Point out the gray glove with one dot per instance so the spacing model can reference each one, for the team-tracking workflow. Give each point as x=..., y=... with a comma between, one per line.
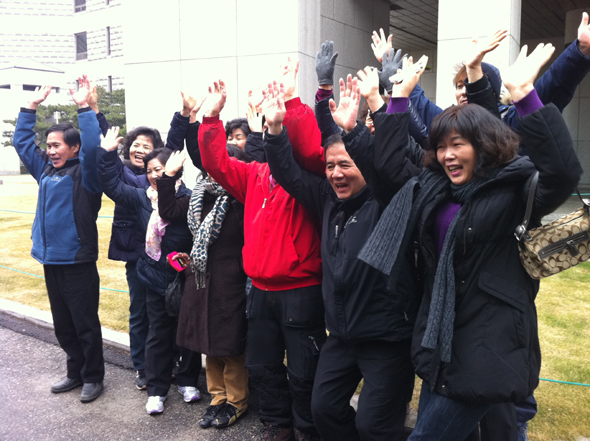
x=325, y=62
x=391, y=64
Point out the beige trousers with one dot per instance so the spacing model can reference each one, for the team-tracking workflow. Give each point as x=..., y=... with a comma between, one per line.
x=227, y=381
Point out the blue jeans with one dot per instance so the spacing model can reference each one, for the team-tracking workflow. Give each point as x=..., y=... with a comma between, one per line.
x=138, y=320
x=444, y=419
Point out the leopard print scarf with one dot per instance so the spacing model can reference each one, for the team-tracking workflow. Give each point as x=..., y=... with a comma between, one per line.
x=205, y=231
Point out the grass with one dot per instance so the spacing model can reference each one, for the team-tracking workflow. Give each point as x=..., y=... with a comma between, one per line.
x=562, y=304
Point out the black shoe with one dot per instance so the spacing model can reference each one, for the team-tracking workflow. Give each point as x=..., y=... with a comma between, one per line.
x=140, y=380
x=66, y=384
x=90, y=392
x=209, y=416
x=227, y=416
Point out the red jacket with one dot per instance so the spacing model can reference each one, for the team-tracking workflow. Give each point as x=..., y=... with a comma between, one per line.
x=281, y=238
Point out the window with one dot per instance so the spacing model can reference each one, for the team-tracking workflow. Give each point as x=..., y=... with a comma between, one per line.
x=81, y=47
x=30, y=87
x=110, y=84
x=108, y=40
x=107, y=2
x=79, y=5
x=5, y=86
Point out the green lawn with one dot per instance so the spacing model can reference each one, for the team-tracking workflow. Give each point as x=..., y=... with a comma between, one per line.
x=563, y=305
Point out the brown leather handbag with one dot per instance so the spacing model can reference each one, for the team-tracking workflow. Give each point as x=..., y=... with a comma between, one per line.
x=557, y=246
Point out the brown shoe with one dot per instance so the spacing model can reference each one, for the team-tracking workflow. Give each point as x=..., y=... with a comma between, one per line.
x=275, y=433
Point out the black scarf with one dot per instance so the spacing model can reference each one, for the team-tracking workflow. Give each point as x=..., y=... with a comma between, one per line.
x=394, y=232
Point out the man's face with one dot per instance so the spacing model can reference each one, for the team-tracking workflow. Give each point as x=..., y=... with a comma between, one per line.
x=460, y=92
x=238, y=138
x=343, y=174
x=59, y=152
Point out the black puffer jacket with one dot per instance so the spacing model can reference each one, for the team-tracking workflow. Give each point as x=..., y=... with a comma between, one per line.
x=360, y=302
x=495, y=350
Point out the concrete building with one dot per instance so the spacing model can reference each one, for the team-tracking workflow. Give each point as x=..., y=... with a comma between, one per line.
x=155, y=49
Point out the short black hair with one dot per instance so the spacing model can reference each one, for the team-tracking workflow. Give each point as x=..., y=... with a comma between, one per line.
x=238, y=123
x=493, y=141
x=70, y=134
x=162, y=155
x=331, y=141
x=151, y=133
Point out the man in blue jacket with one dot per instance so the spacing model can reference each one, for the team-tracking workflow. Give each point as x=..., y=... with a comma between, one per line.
x=65, y=237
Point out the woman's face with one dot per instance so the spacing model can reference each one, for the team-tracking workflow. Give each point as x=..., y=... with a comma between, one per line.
x=457, y=157
x=155, y=170
x=238, y=138
x=139, y=149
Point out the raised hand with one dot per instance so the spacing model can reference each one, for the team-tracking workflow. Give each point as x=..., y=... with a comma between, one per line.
x=346, y=112
x=408, y=76
x=392, y=62
x=175, y=163
x=368, y=83
x=380, y=45
x=255, y=101
x=40, y=95
x=190, y=103
x=215, y=101
x=584, y=35
x=273, y=107
x=478, y=50
x=93, y=99
x=254, y=119
x=112, y=139
x=325, y=63
x=519, y=77
x=289, y=75
x=81, y=96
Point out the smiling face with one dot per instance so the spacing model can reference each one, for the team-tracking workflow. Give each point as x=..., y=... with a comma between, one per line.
x=59, y=152
x=154, y=170
x=343, y=174
x=457, y=157
x=139, y=149
x=238, y=138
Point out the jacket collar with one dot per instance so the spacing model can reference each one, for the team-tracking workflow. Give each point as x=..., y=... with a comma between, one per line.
x=352, y=204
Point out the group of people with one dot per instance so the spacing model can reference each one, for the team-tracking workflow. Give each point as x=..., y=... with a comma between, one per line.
x=317, y=250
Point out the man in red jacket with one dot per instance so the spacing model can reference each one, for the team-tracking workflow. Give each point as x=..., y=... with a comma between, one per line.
x=282, y=256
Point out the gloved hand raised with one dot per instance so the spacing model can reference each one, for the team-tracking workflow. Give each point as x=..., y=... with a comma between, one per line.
x=391, y=63
x=325, y=62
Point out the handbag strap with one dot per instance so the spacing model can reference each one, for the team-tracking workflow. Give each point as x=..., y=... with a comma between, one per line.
x=521, y=231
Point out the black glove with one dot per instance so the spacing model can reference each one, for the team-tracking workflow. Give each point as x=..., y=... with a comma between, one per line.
x=325, y=62
x=391, y=64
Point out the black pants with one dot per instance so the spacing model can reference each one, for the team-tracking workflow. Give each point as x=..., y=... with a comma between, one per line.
x=291, y=320
x=159, y=350
x=388, y=384
x=73, y=295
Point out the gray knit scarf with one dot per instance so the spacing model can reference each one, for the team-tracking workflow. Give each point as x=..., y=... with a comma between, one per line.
x=207, y=231
x=394, y=233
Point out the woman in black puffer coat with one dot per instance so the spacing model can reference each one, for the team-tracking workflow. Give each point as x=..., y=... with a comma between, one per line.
x=476, y=339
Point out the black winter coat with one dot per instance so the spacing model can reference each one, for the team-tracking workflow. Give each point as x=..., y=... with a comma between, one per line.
x=155, y=275
x=495, y=350
x=360, y=302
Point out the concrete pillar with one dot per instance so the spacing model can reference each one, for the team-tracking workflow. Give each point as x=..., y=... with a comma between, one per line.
x=458, y=24
x=577, y=113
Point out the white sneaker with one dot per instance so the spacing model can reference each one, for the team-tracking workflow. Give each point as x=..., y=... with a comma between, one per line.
x=155, y=405
x=191, y=393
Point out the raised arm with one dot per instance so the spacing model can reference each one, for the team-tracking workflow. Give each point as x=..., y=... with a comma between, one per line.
x=34, y=158
x=325, y=63
x=304, y=186
x=170, y=207
x=180, y=121
x=230, y=173
x=110, y=175
x=543, y=131
x=90, y=136
x=478, y=88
